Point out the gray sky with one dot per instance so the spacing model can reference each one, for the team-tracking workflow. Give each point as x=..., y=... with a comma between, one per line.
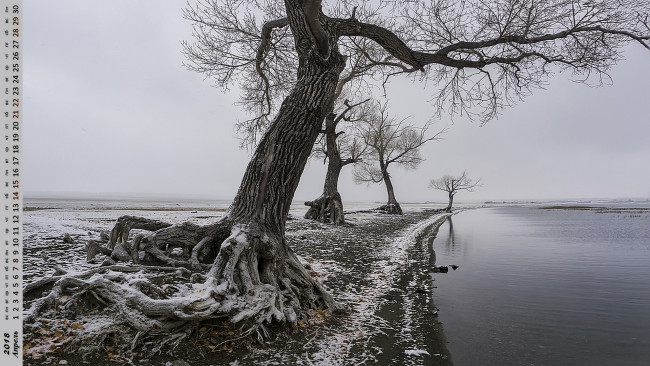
x=109, y=108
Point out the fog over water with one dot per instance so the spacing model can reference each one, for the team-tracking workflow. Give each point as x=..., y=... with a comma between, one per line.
x=110, y=109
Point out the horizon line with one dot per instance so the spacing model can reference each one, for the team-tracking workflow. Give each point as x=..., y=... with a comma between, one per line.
x=108, y=196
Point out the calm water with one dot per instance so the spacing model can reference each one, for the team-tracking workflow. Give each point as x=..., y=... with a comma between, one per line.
x=545, y=287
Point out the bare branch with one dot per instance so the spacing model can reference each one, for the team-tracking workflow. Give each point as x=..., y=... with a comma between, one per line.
x=480, y=56
x=262, y=50
x=502, y=48
x=391, y=140
x=452, y=185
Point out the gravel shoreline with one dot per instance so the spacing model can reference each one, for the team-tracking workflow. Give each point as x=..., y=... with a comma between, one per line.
x=378, y=266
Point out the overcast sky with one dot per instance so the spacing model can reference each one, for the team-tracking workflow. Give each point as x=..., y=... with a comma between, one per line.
x=110, y=109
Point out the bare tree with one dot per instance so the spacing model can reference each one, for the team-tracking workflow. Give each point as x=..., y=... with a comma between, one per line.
x=339, y=147
x=453, y=185
x=392, y=141
x=287, y=58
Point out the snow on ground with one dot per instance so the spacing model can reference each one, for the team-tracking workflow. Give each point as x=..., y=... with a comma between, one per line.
x=368, y=259
x=415, y=352
x=360, y=263
x=43, y=233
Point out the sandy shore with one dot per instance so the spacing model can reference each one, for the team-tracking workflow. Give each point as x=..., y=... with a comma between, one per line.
x=378, y=265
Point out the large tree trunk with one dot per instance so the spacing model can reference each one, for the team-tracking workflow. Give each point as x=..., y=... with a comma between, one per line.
x=392, y=206
x=328, y=207
x=255, y=278
x=255, y=261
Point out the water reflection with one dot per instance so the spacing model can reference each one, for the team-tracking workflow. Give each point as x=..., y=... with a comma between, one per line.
x=451, y=238
x=545, y=287
x=449, y=246
x=432, y=258
x=432, y=261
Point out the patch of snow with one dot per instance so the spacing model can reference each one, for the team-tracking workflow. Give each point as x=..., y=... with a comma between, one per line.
x=416, y=352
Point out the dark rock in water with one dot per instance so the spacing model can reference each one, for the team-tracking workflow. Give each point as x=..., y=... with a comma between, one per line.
x=440, y=269
x=454, y=267
x=104, y=236
x=67, y=239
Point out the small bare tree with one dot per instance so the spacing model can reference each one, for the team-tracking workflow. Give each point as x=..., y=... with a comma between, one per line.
x=391, y=141
x=339, y=147
x=453, y=185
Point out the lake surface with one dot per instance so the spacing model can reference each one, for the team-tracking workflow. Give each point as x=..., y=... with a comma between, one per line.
x=545, y=286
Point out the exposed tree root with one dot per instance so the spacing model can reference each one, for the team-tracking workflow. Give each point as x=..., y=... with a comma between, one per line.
x=186, y=245
x=93, y=248
x=391, y=209
x=167, y=289
x=326, y=209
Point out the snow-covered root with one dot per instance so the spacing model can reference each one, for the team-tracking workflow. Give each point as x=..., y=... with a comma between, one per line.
x=196, y=243
x=255, y=281
x=83, y=310
x=391, y=209
x=124, y=225
x=68, y=288
x=326, y=209
x=265, y=271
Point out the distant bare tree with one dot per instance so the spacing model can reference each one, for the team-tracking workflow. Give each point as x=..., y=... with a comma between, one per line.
x=453, y=185
x=392, y=141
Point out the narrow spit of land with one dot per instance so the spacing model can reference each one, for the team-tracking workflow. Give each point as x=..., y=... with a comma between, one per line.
x=378, y=265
